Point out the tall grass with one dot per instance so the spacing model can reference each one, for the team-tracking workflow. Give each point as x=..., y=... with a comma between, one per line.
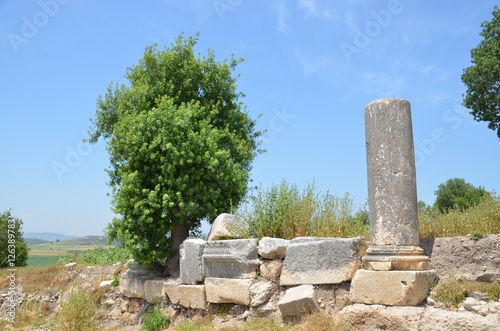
x=481, y=219
x=282, y=211
x=76, y=313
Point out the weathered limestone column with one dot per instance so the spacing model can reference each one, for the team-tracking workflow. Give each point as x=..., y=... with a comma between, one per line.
x=392, y=189
x=396, y=269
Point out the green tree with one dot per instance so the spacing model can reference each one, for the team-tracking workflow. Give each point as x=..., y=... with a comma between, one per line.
x=457, y=193
x=482, y=79
x=180, y=144
x=13, y=248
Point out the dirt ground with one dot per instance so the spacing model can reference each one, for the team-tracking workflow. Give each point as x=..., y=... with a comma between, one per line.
x=474, y=259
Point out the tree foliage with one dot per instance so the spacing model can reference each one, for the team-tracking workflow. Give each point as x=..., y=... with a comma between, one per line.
x=180, y=144
x=482, y=79
x=13, y=248
x=457, y=193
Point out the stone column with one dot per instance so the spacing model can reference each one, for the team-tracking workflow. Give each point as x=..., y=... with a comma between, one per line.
x=392, y=190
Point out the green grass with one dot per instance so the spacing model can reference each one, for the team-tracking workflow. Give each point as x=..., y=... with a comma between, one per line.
x=154, y=320
x=453, y=292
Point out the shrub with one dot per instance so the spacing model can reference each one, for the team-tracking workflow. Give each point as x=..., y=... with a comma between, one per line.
x=283, y=212
x=106, y=255
x=155, y=320
x=76, y=312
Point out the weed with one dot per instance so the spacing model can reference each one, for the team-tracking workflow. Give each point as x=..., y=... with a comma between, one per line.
x=76, y=313
x=155, y=320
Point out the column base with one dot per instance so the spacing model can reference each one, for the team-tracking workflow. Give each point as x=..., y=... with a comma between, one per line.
x=392, y=257
x=391, y=288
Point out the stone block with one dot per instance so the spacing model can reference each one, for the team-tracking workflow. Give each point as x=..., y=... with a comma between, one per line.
x=132, y=287
x=261, y=292
x=191, y=261
x=273, y=248
x=226, y=290
x=391, y=288
x=137, y=271
x=189, y=296
x=170, y=288
x=153, y=290
x=228, y=226
x=235, y=258
x=321, y=261
x=298, y=300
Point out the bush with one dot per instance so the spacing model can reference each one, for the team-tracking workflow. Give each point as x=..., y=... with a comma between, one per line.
x=155, y=320
x=76, y=313
x=107, y=256
x=283, y=212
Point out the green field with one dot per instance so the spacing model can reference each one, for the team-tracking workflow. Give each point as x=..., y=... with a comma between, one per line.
x=48, y=253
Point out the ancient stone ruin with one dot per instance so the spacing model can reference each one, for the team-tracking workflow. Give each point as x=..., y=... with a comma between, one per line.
x=396, y=269
x=385, y=278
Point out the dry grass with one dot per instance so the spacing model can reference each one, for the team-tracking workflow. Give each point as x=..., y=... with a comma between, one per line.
x=44, y=280
x=482, y=219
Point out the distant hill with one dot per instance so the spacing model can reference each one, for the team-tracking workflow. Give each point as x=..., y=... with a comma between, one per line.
x=48, y=236
x=88, y=241
x=35, y=241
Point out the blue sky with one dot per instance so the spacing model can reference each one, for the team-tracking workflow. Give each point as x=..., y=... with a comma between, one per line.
x=311, y=66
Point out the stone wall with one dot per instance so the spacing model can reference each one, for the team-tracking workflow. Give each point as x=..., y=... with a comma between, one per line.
x=269, y=276
x=290, y=277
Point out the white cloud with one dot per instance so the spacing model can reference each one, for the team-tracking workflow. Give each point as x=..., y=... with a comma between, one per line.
x=314, y=64
x=282, y=17
x=313, y=8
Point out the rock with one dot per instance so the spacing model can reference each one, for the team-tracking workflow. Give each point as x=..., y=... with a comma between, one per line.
x=377, y=317
x=271, y=270
x=439, y=319
x=226, y=290
x=469, y=303
x=132, y=288
x=70, y=266
x=481, y=309
x=105, y=283
x=320, y=261
x=261, y=291
x=298, y=300
x=191, y=261
x=393, y=288
x=273, y=248
x=228, y=226
x=153, y=290
x=235, y=258
x=481, y=296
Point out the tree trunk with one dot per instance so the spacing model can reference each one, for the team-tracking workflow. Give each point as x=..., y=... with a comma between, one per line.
x=178, y=235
